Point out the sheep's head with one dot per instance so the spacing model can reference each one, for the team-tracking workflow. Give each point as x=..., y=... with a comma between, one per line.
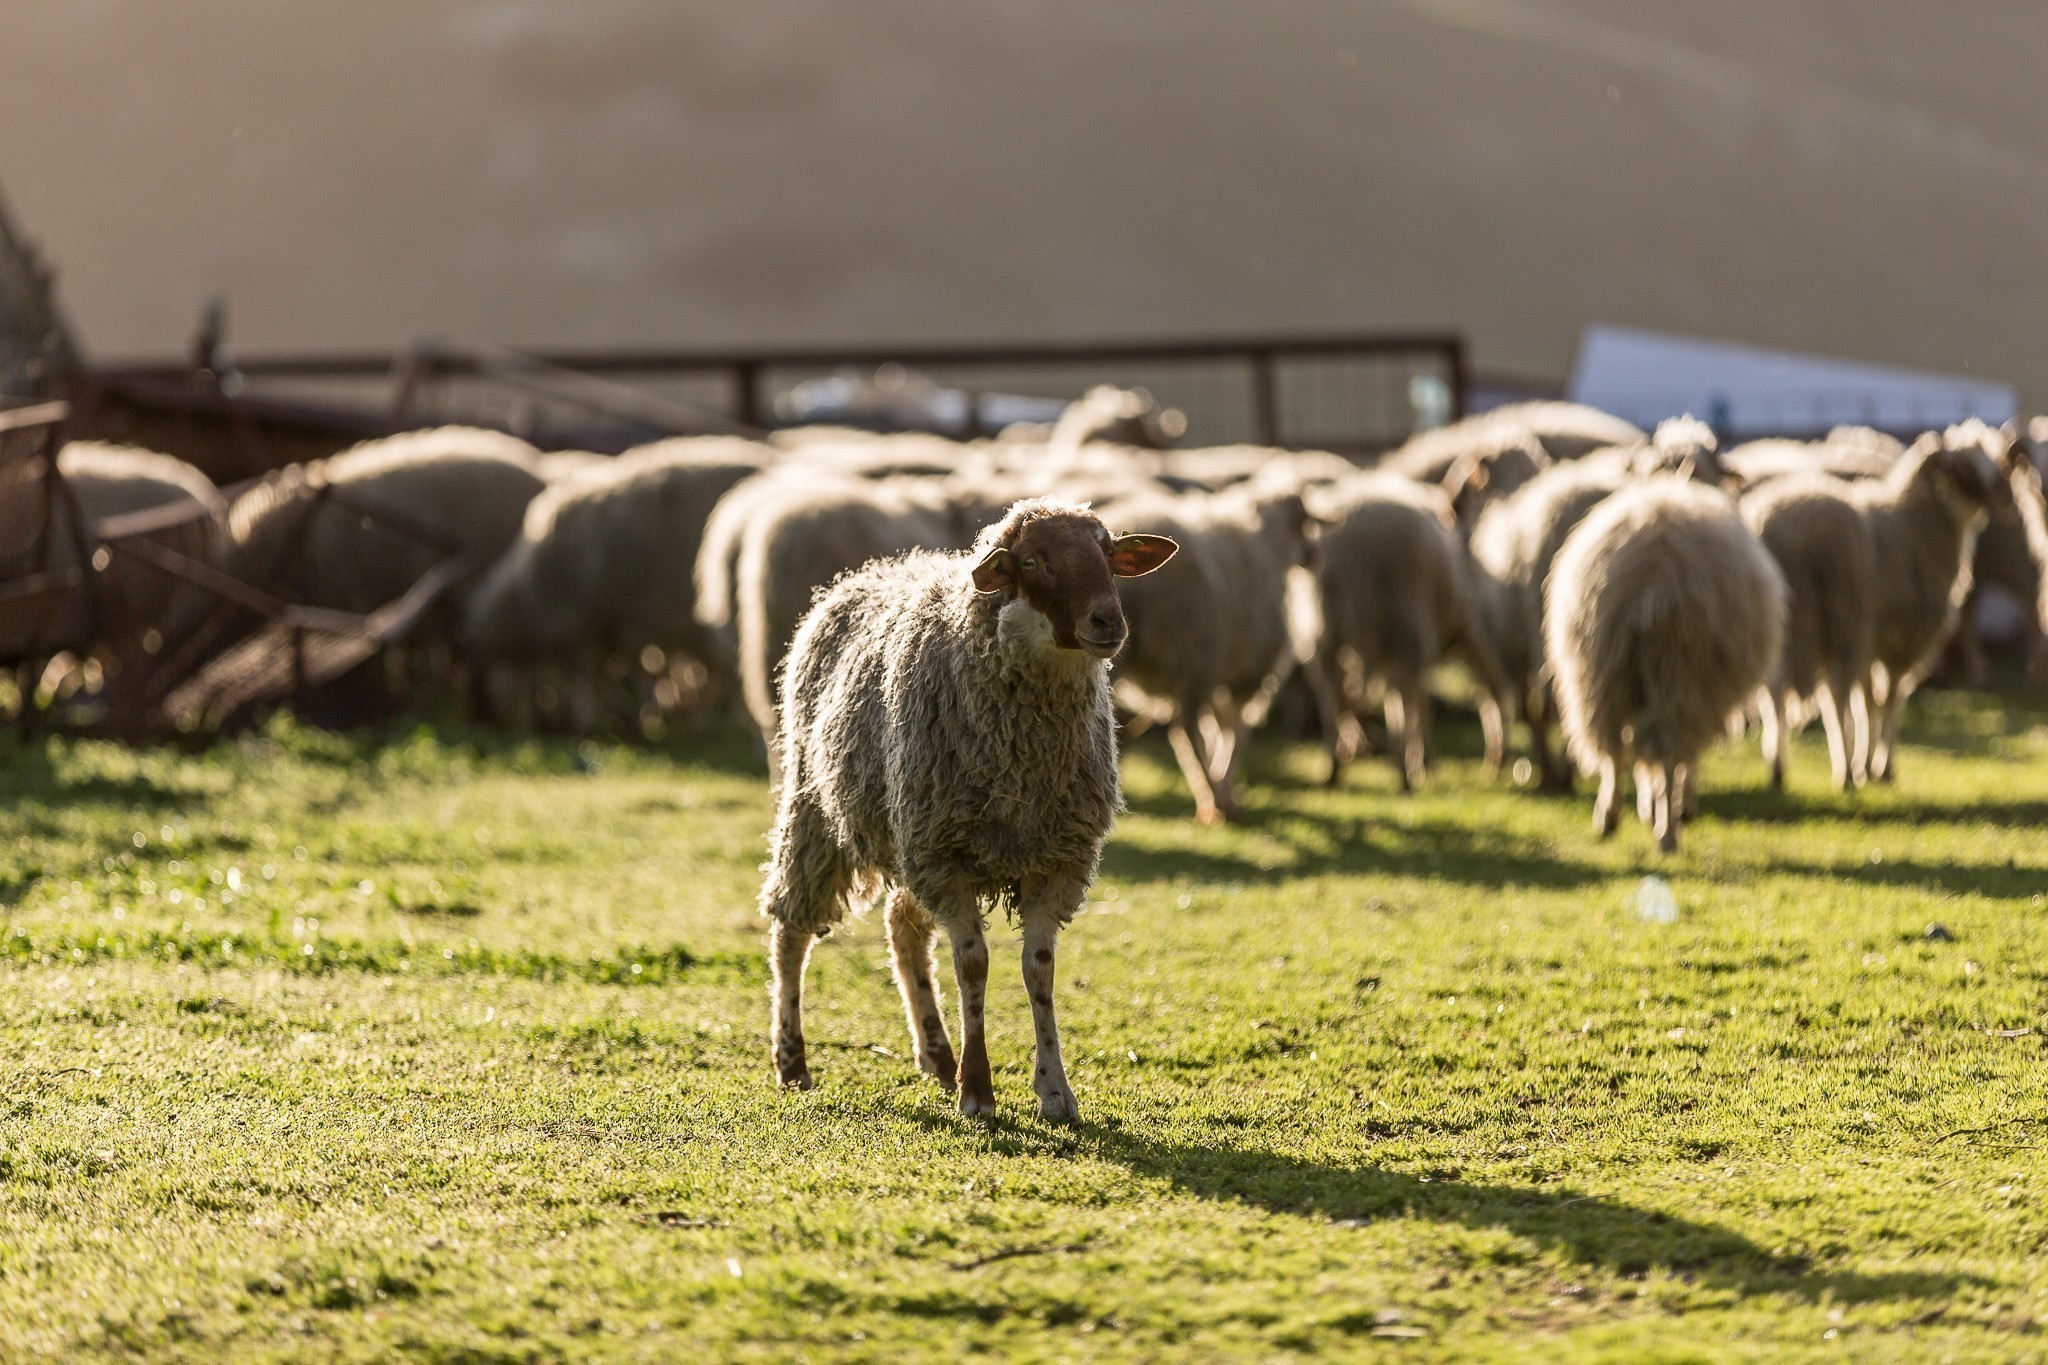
x=1960, y=468
x=1061, y=562
x=1492, y=471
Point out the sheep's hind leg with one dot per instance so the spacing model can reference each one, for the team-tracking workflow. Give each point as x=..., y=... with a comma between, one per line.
x=910, y=948
x=1604, y=813
x=1043, y=913
x=1770, y=710
x=1667, y=798
x=970, y=971
x=1836, y=722
x=789, y=951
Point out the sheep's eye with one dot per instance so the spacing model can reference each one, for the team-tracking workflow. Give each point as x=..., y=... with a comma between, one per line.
x=1030, y=563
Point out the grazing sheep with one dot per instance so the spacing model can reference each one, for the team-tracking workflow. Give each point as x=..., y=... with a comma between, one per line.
x=1566, y=431
x=604, y=562
x=1106, y=413
x=1846, y=453
x=808, y=535
x=2023, y=473
x=1397, y=595
x=1213, y=639
x=309, y=534
x=130, y=598
x=1923, y=517
x=949, y=734
x=1814, y=529
x=1489, y=469
x=1513, y=543
x=558, y=465
x=1664, y=615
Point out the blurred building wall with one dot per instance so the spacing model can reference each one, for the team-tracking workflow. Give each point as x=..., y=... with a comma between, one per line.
x=1866, y=178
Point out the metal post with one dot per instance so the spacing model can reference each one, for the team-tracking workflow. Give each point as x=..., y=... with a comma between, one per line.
x=1265, y=399
x=746, y=383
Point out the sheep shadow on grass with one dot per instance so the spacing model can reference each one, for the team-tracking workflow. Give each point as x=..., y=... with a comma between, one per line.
x=1591, y=1230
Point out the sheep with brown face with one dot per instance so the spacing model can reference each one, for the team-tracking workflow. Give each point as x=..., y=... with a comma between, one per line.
x=947, y=733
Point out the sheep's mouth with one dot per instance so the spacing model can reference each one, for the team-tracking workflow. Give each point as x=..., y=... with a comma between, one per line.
x=1101, y=647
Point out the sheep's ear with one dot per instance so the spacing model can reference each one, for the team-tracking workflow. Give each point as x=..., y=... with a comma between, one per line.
x=995, y=572
x=1136, y=555
x=2015, y=453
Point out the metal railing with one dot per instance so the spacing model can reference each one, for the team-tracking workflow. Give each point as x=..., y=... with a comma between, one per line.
x=1354, y=393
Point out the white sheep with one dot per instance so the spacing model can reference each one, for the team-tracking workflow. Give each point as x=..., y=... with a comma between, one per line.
x=1397, y=595
x=604, y=563
x=1923, y=516
x=1814, y=529
x=1566, y=431
x=949, y=735
x=1664, y=616
x=1214, y=636
x=357, y=530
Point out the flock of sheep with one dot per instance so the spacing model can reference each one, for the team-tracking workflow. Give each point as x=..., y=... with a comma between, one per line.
x=934, y=637
x=1634, y=594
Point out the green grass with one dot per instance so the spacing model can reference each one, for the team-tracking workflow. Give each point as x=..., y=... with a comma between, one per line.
x=321, y=1047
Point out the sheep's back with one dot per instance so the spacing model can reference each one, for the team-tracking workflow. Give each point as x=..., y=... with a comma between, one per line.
x=1663, y=615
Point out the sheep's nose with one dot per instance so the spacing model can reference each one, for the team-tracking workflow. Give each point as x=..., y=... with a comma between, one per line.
x=1106, y=625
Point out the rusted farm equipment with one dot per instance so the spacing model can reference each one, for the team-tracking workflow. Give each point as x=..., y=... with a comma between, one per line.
x=231, y=645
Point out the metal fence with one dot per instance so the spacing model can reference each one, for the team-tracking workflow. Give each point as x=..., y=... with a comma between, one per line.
x=1355, y=394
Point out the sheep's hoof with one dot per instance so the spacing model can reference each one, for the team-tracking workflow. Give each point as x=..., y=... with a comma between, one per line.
x=1668, y=840
x=796, y=1077
x=1208, y=815
x=1058, y=1107
x=975, y=1106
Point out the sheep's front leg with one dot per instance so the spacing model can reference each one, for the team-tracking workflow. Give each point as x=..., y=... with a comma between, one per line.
x=789, y=951
x=1884, y=761
x=1043, y=915
x=970, y=970
x=910, y=947
x=1194, y=766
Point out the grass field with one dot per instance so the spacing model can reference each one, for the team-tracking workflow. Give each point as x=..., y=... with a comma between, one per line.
x=449, y=1046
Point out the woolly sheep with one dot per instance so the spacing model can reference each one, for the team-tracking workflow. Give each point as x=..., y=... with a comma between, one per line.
x=307, y=534
x=1212, y=639
x=1513, y=543
x=2023, y=472
x=1923, y=517
x=1396, y=595
x=1664, y=615
x=603, y=564
x=558, y=465
x=806, y=536
x=130, y=598
x=949, y=736
x=1566, y=431
x=1129, y=417
x=1818, y=536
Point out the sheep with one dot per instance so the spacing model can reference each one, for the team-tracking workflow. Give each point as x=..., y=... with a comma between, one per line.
x=1924, y=516
x=131, y=603
x=559, y=465
x=1513, y=542
x=1128, y=417
x=1817, y=534
x=2023, y=473
x=1491, y=467
x=1663, y=615
x=1846, y=453
x=949, y=736
x=1396, y=594
x=1211, y=641
x=1681, y=445
x=604, y=563
x=806, y=535
x=308, y=533
x=1565, y=431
